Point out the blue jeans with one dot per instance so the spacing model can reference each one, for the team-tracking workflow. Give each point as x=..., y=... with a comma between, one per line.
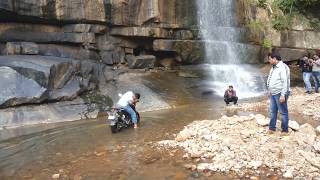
x=275, y=105
x=316, y=78
x=132, y=113
x=306, y=79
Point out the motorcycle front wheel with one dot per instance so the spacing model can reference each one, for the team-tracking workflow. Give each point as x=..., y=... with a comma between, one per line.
x=115, y=128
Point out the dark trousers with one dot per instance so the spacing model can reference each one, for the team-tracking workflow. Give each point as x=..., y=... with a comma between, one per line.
x=231, y=99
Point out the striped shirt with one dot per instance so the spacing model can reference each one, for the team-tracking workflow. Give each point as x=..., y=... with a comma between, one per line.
x=279, y=79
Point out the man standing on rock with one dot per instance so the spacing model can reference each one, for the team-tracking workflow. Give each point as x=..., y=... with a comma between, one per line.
x=278, y=86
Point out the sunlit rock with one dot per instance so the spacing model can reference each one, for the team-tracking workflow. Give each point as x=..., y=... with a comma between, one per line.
x=232, y=144
x=262, y=120
x=294, y=125
x=318, y=129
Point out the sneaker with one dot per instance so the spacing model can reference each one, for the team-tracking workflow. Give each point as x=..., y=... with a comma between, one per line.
x=271, y=131
x=135, y=126
x=284, y=133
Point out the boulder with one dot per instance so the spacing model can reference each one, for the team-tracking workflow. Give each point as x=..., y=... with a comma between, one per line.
x=262, y=120
x=305, y=135
x=62, y=78
x=45, y=70
x=140, y=62
x=69, y=91
x=318, y=129
x=294, y=125
x=113, y=57
x=300, y=39
x=45, y=113
x=17, y=89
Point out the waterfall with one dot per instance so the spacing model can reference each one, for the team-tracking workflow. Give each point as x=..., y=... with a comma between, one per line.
x=225, y=50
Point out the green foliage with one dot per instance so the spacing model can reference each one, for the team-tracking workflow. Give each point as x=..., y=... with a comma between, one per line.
x=267, y=44
x=315, y=24
x=255, y=26
x=281, y=23
x=96, y=101
x=287, y=6
x=256, y=29
x=262, y=3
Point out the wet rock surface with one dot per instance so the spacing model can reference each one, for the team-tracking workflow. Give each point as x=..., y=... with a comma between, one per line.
x=239, y=144
x=35, y=79
x=17, y=89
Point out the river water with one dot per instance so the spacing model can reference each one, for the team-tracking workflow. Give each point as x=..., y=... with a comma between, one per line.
x=88, y=150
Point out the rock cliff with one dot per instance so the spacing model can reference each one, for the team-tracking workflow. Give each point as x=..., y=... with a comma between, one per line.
x=57, y=50
x=297, y=39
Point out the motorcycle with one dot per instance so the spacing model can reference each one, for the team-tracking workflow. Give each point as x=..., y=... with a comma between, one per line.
x=120, y=119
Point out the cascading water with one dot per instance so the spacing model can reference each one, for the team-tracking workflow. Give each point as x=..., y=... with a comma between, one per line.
x=225, y=50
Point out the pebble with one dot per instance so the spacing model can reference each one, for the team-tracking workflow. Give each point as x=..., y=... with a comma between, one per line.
x=55, y=176
x=221, y=146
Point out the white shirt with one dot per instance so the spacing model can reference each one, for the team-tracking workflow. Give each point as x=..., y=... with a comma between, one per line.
x=279, y=79
x=126, y=99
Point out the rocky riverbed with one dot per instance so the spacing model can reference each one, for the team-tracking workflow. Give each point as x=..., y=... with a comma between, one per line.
x=241, y=143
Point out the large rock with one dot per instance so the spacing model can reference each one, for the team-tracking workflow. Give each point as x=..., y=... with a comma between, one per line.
x=291, y=54
x=16, y=89
x=300, y=39
x=69, y=91
x=140, y=62
x=115, y=56
x=262, y=120
x=45, y=70
x=46, y=113
x=190, y=51
x=64, y=79
x=63, y=10
x=294, y=125
x=318, y=129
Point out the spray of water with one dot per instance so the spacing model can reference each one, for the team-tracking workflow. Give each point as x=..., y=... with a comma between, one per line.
x=224, y=50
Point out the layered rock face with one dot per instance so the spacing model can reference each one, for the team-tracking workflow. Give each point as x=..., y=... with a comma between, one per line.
x=57, y=50
x=292, y=43
x=106, y=30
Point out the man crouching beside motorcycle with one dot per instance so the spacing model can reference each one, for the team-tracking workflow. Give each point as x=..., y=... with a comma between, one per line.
x=126, y=101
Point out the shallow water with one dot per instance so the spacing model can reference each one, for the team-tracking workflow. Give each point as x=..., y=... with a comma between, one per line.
x=88, y=150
